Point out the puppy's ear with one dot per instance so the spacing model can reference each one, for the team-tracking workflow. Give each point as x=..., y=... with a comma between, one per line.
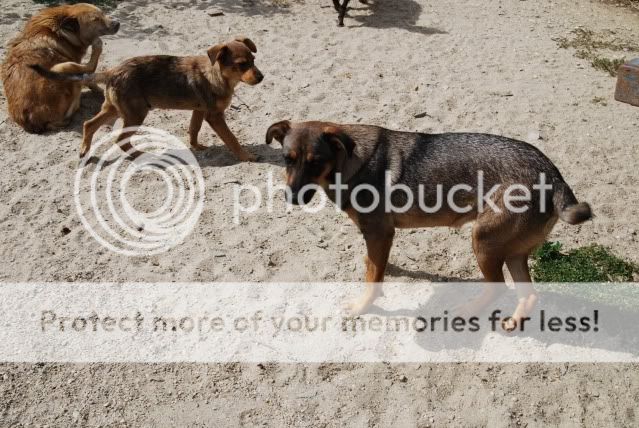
x=278, y=131
x=339, y=139
x=249, y=44
x=217, y=53
x=70, y=24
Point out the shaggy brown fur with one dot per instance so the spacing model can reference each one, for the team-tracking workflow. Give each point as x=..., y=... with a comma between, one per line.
x=56, y=38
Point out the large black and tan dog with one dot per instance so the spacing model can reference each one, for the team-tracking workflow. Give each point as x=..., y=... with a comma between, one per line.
x=57, y=38
x=461, y=166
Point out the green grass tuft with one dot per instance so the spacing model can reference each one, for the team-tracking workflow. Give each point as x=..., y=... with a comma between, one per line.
x=587, y=45
x=609, y=65
x=593, y=263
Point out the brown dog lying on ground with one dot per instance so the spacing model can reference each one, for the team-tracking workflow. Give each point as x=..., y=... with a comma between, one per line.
x=204, y=84
x=56, y=38
x=464, y=166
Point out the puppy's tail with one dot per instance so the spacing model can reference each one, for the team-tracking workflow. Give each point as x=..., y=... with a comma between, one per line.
x=84, y=78
x=567, y=207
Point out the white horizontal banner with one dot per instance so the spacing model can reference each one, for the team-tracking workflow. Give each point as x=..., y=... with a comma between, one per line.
x=305, y=322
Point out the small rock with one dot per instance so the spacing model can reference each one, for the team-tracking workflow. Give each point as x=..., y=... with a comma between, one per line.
x=533, y=136
x=501, y=94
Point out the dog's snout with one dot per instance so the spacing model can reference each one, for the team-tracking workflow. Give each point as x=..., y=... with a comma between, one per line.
x=115, y=26
x=294, y=198
x=302, y=196
x=259, y=76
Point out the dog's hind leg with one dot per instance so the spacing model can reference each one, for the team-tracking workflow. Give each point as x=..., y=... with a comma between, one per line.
x=526, y=293
x=336, y=5
x=194, y=129
x=491, y=265
x=132, y=122
x=492, y=269
x=74, y=67
x=90, y=127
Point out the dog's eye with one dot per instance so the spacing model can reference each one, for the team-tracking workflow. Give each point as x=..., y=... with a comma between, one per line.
x=289, y=160
x=243, y=66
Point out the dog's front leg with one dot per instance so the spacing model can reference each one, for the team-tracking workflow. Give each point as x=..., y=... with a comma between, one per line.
x=217, y=122
x=378, y=245
x=194, y=129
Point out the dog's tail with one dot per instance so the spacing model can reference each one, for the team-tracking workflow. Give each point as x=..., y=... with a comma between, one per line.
x=85, y=78
x=567, y=207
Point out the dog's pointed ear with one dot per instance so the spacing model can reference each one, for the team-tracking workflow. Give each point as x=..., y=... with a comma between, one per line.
x=278, y=131
x=217, y=53
x=248, y=42
x=339, y=139
x=70, y=24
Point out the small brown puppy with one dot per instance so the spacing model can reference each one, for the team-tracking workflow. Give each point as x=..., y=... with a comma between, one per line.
x=453, y=178
x=204, y=84
x=56, y=38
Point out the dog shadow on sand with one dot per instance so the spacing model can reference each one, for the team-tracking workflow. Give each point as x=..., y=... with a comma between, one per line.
x=614, y=328
x=217, y=154
x=385, y=14
x=214, y=156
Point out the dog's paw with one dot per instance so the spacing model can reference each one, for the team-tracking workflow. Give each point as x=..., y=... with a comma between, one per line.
x=509, y=324
x=354, y=309
x=248, y=157
x=96, y=46
x=97, y=43
x=198, y=146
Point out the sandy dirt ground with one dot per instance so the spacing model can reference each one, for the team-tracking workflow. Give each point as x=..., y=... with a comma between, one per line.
x=459, y=66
